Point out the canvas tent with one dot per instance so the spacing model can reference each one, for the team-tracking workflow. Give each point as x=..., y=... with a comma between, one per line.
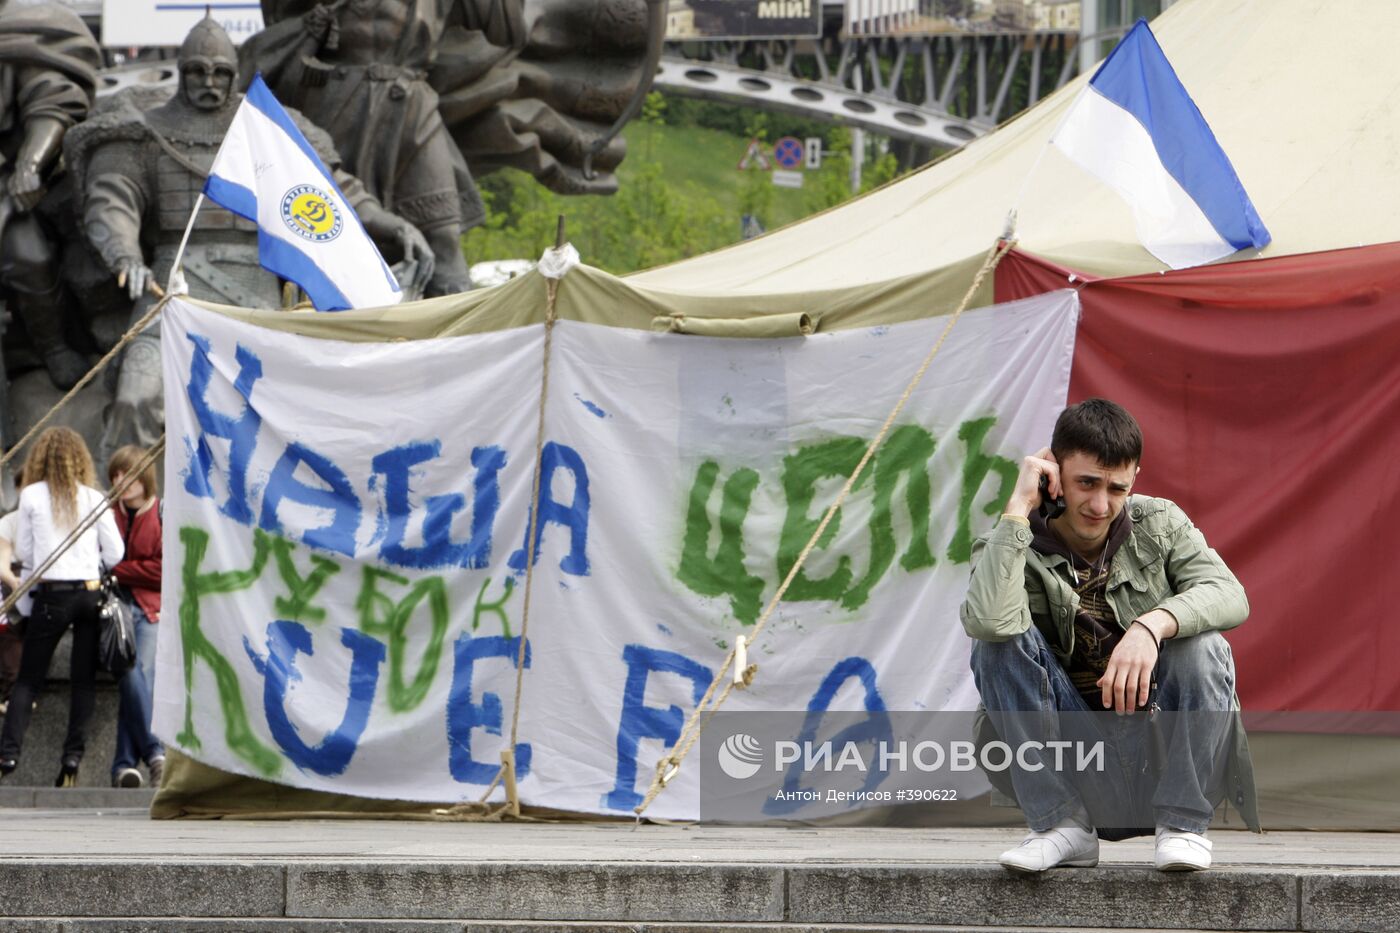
x=1258, y=378
x=1301, y=96
x=1305, y=106
x=1264, y=383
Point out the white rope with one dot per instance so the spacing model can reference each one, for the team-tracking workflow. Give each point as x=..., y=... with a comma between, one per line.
x=669, y=764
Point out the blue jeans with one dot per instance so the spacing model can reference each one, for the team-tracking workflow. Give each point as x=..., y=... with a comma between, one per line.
x=1178, y=783
x=135, y=741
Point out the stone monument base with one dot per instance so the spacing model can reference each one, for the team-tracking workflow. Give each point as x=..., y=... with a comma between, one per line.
x=43, y=744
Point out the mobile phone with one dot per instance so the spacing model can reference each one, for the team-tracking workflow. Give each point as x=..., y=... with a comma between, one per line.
x=1050, y=508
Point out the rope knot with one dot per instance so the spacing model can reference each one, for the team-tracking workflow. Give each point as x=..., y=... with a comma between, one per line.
x=666, y=770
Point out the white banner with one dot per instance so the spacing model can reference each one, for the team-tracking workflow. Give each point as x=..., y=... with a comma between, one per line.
x=345, y=523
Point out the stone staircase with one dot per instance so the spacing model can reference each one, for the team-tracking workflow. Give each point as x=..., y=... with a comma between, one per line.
x=75, y=871
x=48, y=724
x=71, y=798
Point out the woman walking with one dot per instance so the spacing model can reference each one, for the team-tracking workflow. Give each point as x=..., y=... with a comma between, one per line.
x=138, y=519
x=59, y=480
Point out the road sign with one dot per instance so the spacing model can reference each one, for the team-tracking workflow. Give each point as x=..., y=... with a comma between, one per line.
x=788, y=152
x=787, y=179
x=754, y=154
x=814, y=152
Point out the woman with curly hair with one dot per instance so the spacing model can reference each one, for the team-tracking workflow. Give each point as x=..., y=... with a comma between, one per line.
x=58, y=493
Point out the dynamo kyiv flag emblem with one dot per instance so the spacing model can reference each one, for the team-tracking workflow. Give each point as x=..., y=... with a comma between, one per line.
x=1136, y=129
x=267, y=172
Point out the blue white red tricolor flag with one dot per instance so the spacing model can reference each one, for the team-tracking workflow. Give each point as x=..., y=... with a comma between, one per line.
x=267, y=172
x=1136, y=129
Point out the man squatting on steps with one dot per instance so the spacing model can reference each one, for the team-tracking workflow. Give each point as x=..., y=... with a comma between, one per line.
x=1116, y=604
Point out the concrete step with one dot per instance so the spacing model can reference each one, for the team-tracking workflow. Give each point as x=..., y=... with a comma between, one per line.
x=116, y=870
x=661, y=895
x=157, y=925
x=75, y=798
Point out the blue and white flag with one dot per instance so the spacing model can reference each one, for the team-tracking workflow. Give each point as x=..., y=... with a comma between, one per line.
x=267, y=172
x=1136, y=129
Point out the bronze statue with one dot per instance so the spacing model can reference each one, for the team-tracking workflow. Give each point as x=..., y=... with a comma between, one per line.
x=418, y=94
x=139, y=173
x=48, y=73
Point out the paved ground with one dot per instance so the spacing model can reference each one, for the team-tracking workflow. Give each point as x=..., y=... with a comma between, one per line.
x=128, y=834
x=77, y=870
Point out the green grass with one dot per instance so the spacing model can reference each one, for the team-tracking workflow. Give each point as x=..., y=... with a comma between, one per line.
x=705, y=161
x=681, y=195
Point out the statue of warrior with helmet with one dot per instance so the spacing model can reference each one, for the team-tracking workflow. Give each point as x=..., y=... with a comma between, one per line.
x=140, y=166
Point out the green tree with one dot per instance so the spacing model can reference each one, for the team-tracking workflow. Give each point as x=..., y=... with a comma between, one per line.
x=661, y=213
x=832, y=184
x=879, y=169
x=756, y=187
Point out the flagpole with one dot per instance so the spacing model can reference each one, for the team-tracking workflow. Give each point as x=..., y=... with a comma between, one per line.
x=1011, y=215
x=184, y=241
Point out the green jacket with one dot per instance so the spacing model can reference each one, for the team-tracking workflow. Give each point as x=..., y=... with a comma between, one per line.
x=1164, y=564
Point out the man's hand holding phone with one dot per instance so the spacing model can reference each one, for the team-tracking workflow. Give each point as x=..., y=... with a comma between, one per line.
x=1040, y=467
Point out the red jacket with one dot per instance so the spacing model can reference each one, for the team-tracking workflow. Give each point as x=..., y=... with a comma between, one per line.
x=139, y=570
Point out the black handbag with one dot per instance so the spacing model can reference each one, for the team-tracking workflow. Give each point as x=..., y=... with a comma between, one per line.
x=116, y=633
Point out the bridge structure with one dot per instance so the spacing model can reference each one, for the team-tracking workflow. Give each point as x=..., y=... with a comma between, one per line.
x=937, y=90
x=940, y=91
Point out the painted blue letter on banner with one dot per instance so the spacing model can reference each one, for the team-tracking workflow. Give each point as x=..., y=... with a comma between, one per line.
x=463, y=715
x=284, y=640
x=240, y=432
x=874, y=730
x=438, y=549
x=573, y=517
x=640, y=721
x=340, y=499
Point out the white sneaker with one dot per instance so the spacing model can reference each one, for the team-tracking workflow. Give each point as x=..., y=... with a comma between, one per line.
x=127, y=777
x=1178, y=850
x=1067, y=844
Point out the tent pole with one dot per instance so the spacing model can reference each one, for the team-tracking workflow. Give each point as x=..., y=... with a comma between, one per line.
x=508, y=772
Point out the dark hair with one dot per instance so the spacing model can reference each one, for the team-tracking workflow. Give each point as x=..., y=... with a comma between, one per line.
x=127, y=457
x=1102, y=429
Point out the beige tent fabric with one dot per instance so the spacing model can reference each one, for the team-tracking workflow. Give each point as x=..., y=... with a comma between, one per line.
x=1303, y=96
x=594, y=297
x=796, y=324
x=190, y=790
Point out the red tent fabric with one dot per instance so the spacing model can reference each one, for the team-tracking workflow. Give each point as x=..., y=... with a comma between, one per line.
x=1269, y=396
